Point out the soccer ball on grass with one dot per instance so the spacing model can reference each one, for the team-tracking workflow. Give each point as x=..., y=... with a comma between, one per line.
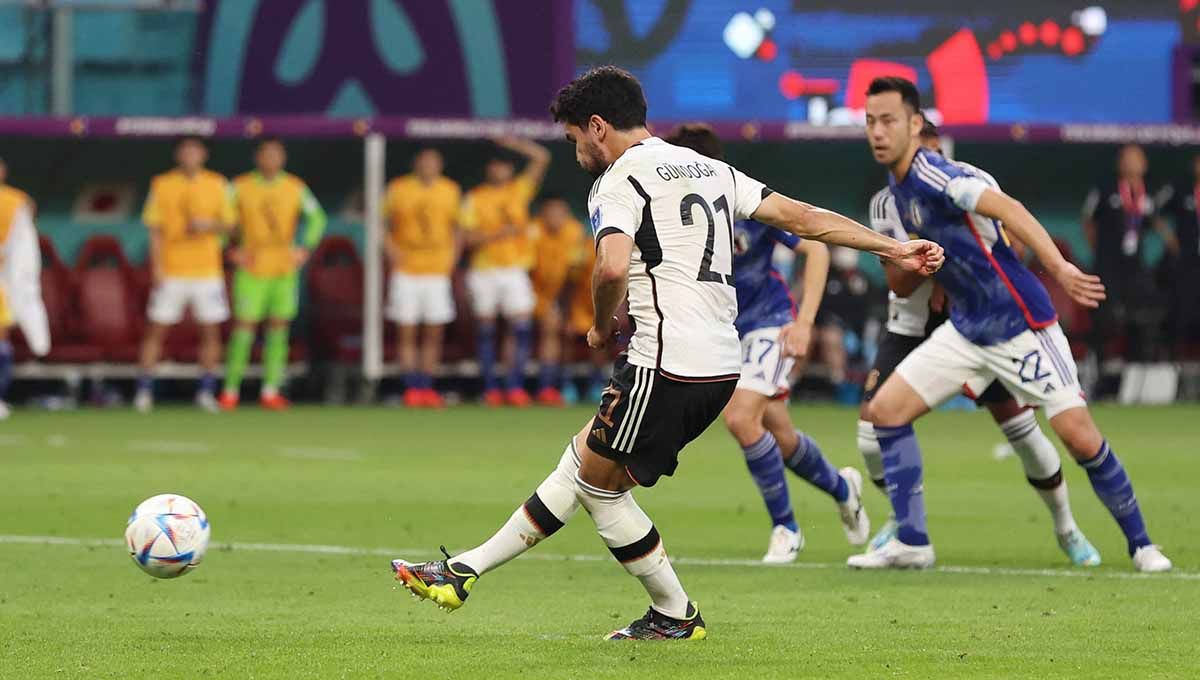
x=167, y=535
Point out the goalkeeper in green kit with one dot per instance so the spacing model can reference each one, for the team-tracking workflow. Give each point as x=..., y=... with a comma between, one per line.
x=270, y=203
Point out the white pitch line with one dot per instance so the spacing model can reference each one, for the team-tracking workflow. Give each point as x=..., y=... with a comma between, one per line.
x=319, y=549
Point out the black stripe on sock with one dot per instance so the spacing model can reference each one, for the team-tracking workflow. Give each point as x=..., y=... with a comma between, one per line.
x=1050, y=482
x=540, y=515
x=880, y=482
x=638, y=549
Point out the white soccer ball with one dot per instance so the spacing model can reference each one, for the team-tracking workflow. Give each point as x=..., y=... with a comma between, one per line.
x=167, y=535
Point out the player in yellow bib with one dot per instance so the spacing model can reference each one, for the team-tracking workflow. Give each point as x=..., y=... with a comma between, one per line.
x=559, y=245
x=188, y=213
x=495, y=222
x=14, y=204
x=422, y=246
x=269, y=203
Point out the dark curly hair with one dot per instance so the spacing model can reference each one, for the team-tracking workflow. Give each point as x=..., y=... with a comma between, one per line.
x=698, y=137
x=612, y=93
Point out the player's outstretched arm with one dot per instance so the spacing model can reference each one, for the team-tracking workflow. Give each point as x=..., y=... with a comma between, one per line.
x=796, y=337
x=809, y=221
x=1086, y=289
x=610, y=282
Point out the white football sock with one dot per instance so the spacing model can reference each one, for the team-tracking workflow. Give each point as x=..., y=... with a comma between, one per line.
x=868, y=446
x=546, y=511
x=1043, y=468
x=633, y=540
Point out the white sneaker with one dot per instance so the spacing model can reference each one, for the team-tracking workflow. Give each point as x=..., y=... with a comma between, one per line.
x=1149, y=559
x=143, y=401
x=855, y=522
x=5, y=411
x=207, y=402
x=784, y=546
x=894, y=555
x=886, y=533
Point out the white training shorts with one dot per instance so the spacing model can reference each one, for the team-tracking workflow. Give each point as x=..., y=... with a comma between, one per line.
x=503, y=291
x=420, y=299
x=764, y=368
x=206, y=298
x=1036, y=367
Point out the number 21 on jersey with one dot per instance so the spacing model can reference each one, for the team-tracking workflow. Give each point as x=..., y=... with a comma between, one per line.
x=722, y=206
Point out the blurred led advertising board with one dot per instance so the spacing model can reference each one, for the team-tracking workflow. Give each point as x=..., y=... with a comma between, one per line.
x=974, y=62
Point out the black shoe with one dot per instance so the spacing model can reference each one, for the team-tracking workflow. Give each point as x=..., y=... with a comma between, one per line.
x=656, y=626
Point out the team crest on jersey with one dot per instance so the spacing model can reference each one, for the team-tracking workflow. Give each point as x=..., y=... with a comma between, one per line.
x=741, y=242
x=596, y=220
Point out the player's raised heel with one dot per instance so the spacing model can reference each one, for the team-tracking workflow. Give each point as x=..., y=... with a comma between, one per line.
x=1081, y=552
x=855, y=522
x=894, y=555
x=436, y=581
x=656, y=626
x=1149, y=559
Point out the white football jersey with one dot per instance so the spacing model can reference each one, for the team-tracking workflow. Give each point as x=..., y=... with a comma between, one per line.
x=906, y=315
x=909, y=315
x=679, y=207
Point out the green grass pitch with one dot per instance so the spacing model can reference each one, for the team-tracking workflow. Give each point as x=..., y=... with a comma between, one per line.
x=308, y=506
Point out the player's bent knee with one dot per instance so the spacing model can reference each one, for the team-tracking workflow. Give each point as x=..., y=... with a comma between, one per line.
x=1078, y=432
x=600, y=472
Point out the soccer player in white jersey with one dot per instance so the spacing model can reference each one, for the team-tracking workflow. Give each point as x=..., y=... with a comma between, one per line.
x=1002, y=327
x=775, y=332
x=663, y=219
x=910, y=320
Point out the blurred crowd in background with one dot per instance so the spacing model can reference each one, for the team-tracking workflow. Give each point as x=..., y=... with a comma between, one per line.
x=488, y=288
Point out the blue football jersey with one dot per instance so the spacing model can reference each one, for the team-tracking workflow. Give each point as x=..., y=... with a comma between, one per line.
x=993, y=295
x=763, y=298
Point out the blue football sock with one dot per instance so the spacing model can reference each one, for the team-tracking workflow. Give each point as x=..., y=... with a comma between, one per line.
x=766, y=467
x=426, y=381
x=208, y=383
x=1112, y=485
x=808, y=462
x=6, y=362
x=902, y=468
x=145, y=383
x=523, y=337
x=550, y=376
x=486, y=342
x=412, y=380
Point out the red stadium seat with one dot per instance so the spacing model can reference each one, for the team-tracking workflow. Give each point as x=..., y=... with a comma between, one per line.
x=335, y=290
x=59, y=295
x=109, y=312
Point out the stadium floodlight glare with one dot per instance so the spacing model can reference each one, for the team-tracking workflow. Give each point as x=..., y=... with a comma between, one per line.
x=743, y=35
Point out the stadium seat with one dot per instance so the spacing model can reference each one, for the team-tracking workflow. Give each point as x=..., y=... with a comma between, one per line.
x=335, y=289
x=109, y=314
x=59, y=296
